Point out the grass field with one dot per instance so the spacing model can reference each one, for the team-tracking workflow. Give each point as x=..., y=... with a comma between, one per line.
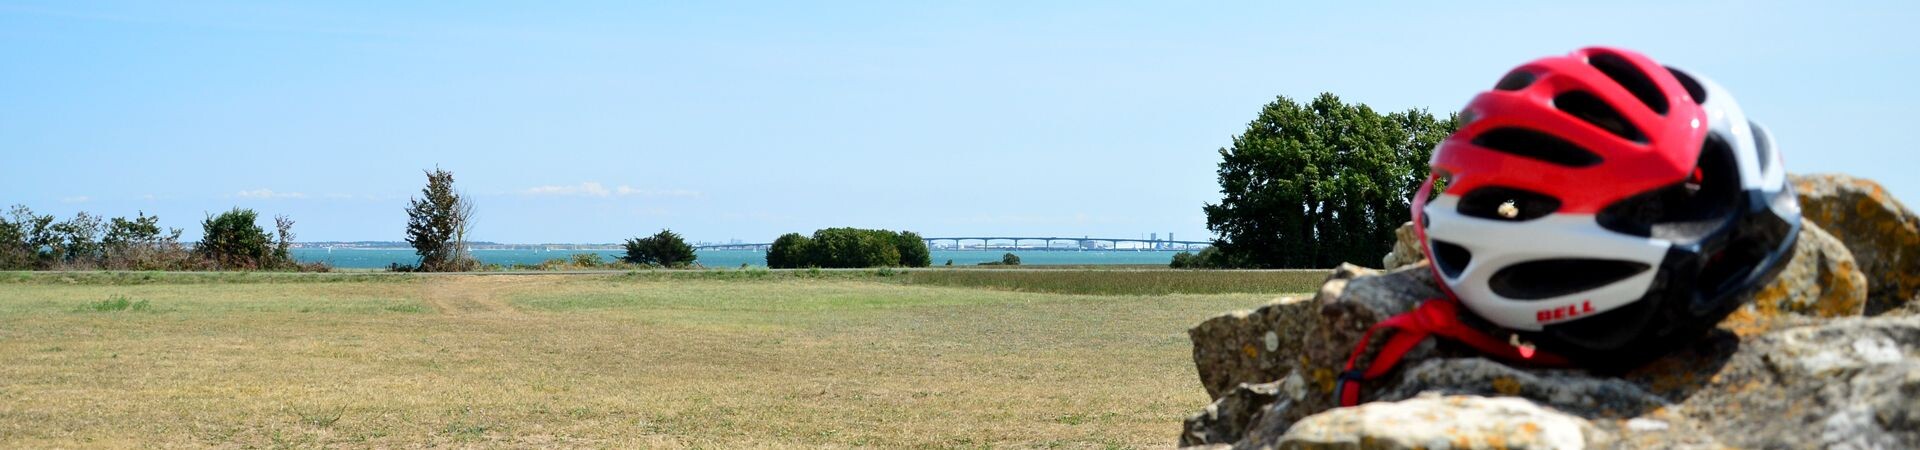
x=712, y=359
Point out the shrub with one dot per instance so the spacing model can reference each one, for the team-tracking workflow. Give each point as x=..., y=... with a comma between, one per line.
x=789, y=251
x=665, y=249
x=233, y=241
x=849, y=248
x=1010, y=259
x=588, y=260
x=1182, y=260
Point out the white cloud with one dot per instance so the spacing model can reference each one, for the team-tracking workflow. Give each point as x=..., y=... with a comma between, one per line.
x=595, y=189
x=625, y=190
x=586, y=189
x=264, y=193
x=76, y=199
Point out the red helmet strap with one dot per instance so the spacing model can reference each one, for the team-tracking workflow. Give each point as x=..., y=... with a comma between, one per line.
x=1434, y=317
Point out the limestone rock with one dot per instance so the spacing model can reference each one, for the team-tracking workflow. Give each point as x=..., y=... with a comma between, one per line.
x=1306, y=339
x=1406, y=249
x=1226, y=420
x=1850, y=383
x=1252, y=346
x=1883, y=234
x=1822, y=280
x=1433, y=421
x=1566, y=390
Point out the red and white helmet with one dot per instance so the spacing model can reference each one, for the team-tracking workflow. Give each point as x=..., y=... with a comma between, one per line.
x=1604, y=207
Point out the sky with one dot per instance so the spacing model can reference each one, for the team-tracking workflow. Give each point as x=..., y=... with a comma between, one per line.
x=599, y=121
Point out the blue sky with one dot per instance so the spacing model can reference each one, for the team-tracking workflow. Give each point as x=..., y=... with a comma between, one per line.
x=591, y=122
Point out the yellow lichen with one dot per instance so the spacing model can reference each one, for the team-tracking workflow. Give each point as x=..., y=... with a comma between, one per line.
x=1251, y=351
x=1506, y=385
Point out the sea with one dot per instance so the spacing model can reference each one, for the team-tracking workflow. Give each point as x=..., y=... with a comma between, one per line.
x=371, y=258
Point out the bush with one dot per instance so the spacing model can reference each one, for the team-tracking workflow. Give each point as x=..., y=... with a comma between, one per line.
x=1182, y=260
x=665, y=249
x=788, y=252
x=849, y=248
x=588, y=260
x=1010, y=259
x=233, y=241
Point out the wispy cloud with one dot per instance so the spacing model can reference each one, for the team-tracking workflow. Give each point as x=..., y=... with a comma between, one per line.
x=76, y=199
x=595, y=189
x=264, y=193
x=586, y=189
x=625, y=190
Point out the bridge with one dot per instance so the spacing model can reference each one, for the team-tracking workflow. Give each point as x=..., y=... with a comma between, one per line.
x=1014, y=243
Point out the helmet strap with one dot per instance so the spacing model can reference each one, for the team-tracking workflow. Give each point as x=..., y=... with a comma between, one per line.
x=1434, y=317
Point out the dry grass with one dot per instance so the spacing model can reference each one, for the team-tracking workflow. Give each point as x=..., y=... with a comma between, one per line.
x=1126, y=282
x=591, y=361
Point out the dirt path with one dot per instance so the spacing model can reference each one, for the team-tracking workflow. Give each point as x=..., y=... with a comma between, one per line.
x=471, y=295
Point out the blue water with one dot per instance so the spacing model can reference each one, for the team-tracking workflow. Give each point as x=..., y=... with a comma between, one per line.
x=380, y=258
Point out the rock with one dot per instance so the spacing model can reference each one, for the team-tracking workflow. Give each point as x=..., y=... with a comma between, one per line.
x=1252, y=346
x=1567, y=390
x=1433, y=421
x=1822, y=280
x=1406, y=249
x=1883, y=234
x=1845, y=383
x=1307, y=339
x=1226, y=420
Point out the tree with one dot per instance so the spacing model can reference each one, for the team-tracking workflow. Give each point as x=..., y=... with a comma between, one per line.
x=141, y=244
x=913, y=249
x=232, y=241
x=1010, y=259
x=437, y=225
x=665, y=249
x=1317, y=184
x=25, y=239
x=77, y=240
x=789, y=251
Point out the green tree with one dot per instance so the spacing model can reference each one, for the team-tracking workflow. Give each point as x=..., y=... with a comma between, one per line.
x=1182, y=260
x=853, y=248
x=1313, y=185
x=1010, y=259
x=231, y=240
x=665, y=249
x=26, y=239
x=437, y=225
x=77, y=240
x=913, y=249
x=790, y=251
x=141, y=244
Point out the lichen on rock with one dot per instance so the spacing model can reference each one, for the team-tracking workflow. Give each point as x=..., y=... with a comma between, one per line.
x=1883, y=235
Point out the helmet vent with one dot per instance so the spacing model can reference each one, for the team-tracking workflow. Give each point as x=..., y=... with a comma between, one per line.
x=1545, y=279
x=1589, y=108
x=1507, y=204
x=1685, y=211
x=1449, y=257
x=1694, y=90
x=1631, y=78
x=1515, y=80
x=1536, y=145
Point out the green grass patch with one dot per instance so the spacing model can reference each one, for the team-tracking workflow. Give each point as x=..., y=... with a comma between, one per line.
x=118, y=303
x=1124, y=282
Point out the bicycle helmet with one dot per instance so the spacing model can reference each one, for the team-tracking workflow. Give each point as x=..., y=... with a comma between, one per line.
x=1605, y=208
